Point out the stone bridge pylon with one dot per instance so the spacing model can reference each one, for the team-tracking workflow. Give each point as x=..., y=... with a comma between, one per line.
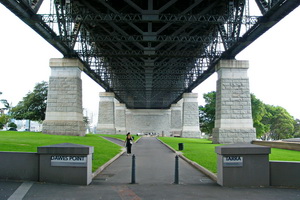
x=233, y=108
x=64, y=114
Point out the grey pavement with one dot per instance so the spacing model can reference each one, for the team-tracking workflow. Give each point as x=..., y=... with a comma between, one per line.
x=155, y=166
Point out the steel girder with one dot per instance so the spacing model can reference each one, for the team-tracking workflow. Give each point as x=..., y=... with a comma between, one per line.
x=150, y=52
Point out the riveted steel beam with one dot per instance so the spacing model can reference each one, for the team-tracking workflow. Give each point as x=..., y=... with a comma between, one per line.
x=150, y=52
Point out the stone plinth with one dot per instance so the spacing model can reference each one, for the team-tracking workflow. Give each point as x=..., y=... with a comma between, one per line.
x=233, y=121
x=243, y=165
x=66, y=164
x=190, y=117
x=64, y=102
x=106, y=116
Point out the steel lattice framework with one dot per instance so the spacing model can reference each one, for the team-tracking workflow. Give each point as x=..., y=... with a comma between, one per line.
x=150, y=52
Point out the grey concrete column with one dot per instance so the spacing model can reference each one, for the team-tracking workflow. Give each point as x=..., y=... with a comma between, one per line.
x=64, y=104
x=190, y=116
x=121, y=118
x=106, y=116
x=233, y=121
x=176, y=119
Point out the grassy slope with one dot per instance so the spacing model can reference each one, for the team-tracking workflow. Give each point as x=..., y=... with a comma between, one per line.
x=29, y=141
x=202, y=151
x=199, y=150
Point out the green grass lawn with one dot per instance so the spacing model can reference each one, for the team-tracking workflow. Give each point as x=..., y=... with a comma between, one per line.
x=284, y=155
x=202, y=151
x=29, y=141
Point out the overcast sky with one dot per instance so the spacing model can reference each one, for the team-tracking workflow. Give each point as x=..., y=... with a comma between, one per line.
x=274, y=71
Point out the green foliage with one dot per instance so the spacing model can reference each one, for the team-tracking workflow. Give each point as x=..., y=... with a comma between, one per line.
x=86, y=120
x=33, y=105
x=271, y=122
x=207, y=113
x=281, y=122
x=3, y=120
x=13, y=125
x=296, y=133
x=258, y=112
x=29, y=141
x=5, y=103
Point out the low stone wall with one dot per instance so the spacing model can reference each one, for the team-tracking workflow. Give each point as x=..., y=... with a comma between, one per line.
x=279, y=144
x=285, y=174
x=61, y=163
x=19, y=166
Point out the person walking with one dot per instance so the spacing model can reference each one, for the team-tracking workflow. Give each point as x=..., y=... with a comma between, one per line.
x=128, y=143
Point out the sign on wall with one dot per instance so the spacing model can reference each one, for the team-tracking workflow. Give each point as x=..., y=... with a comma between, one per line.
x=232, y=161
x=68, y=161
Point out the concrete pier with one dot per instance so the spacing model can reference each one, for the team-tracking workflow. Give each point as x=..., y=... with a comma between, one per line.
x=233, y=121
x=106, y=116
x=190, y=117
x=121, y=118
x=182, y=119
x=64, y=102
x=176, y=119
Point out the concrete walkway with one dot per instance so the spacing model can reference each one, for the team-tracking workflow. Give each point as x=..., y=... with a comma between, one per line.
x=155, y=165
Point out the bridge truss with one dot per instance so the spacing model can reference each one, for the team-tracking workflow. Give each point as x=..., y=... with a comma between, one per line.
x=150, y=52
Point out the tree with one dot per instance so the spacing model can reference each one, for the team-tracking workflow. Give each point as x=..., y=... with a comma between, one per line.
x=12, y=124
x=258, y=112
x=33, y=105
x=296, y=133
x=271, y=122
x=3, y=120
x=207, y=113
x=281, y=122
x=3, y=117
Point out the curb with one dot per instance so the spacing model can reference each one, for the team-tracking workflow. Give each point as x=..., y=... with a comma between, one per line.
x=100, y=169
x=205, y=171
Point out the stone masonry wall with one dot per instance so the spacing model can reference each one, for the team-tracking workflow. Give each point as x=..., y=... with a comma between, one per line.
x=106, y=116
x=64, y=102
x=233, y=121
x=115, y=118
x=190, y=117
x=120, y=118
x=70, y=89
x=148, y=121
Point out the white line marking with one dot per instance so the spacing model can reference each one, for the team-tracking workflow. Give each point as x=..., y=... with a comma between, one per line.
x=21, y=191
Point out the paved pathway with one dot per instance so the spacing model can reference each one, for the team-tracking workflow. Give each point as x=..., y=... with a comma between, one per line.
x=155, y=163
x=154, y=177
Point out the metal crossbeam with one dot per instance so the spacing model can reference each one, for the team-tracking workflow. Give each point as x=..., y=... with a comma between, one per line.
x=150, y=52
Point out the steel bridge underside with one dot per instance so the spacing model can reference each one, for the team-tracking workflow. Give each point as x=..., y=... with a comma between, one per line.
x=150, y=52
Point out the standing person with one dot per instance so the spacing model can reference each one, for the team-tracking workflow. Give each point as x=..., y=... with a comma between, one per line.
x=128, y=142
